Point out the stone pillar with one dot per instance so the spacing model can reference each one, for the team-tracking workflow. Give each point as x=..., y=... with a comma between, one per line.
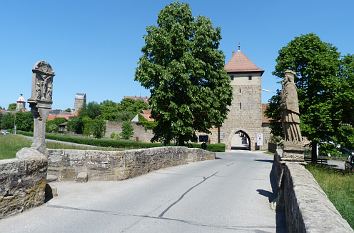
x=41, y=102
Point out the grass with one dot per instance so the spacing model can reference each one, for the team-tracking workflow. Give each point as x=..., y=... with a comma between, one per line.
x=10, y=144
x=339, y=187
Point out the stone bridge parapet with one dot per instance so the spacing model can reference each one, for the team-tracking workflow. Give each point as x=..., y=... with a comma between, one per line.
x=119, y=165
x=307, y=207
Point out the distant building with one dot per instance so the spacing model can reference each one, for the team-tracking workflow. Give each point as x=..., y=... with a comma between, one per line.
x=21, y=104
x=80, y=102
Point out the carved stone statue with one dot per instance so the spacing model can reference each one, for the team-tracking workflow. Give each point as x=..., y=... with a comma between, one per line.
x=293, y=147
x=290, y=109
x=42, y=82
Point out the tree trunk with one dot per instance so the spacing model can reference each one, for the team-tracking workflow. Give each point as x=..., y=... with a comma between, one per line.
x=219, y=137
x=314, y=152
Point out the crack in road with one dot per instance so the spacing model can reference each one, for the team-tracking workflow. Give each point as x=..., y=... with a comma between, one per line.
x=185, y=193
x=259, y=228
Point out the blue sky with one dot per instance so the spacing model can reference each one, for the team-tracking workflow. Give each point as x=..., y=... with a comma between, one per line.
x=94, y=46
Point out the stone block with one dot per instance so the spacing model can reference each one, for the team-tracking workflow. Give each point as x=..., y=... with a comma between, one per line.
x=82, y=177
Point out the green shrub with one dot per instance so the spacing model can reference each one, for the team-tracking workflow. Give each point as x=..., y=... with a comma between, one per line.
x=127, y=144
x=217, y=147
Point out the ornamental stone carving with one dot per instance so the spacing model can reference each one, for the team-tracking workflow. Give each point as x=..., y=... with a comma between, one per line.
x=42, y=83
x=290, y=109
x=293, y=145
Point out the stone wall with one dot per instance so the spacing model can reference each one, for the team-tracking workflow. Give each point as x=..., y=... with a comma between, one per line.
x=307, y=207
x=140, y=133
x=22, y=184
x=119, y=165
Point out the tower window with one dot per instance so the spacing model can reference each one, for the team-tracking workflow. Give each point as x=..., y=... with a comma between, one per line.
x=240, y=90
x=240, y=105
x=232, y=77
x=249, y=77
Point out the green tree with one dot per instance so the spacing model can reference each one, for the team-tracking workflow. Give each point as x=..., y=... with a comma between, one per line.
x=98, y=128
x=127, y=130
x=24, y=121
x=316, y=64
x=11, y=107
x=76, y=125
x=92, y=110
x=52, y=126
x=109, y=110
x=184, y=70
x=274, y=113
x=7, y=121
x=343, y=107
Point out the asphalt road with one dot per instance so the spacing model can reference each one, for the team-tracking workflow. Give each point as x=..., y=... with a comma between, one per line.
x=230, y=194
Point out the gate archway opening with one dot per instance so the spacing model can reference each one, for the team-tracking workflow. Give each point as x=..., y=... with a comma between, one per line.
x=240, y=141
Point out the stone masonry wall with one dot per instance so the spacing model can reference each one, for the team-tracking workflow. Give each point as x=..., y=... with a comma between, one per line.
x=307, y=207
x=119, y=165
x=22, y=184
x=140, y=133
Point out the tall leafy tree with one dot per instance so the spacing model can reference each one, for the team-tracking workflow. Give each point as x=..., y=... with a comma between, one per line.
x=24, y=121
x=184, y=70
x=127, y=130
x=316, y=64
x=344, y=104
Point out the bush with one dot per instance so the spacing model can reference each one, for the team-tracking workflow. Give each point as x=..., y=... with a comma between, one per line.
x=127, y=130
x=217, y=147
x=126, y=144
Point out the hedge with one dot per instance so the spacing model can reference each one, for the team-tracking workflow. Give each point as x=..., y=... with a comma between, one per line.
x=220, y=147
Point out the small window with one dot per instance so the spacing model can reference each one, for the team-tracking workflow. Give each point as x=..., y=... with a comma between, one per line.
x=240, y=90
x=232, y=77
x=249, y=77
x=240, y=105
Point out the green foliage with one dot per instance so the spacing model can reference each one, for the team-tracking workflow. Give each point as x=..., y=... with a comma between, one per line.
x=52, y=126
x=94, y=127
x=217, y=147
x=76, y=125
x=274, y=113
x=11, y=107
x=91, y=110
x=98, y=128
x=339, y=187
x=24, y=121
x=126, y=144
x=184, y=70
x=148, y=125
x=127, y=130
x=7, y=121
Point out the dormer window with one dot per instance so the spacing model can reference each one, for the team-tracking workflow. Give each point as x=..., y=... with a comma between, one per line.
x=249, y=77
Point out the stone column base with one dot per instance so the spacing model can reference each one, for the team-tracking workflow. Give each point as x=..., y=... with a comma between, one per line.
x=293, y=152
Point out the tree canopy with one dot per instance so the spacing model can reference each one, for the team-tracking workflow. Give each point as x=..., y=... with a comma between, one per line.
x=184, y=70
x=325, y=87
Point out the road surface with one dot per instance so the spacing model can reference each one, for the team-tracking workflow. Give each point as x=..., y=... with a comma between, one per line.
x=229, y=194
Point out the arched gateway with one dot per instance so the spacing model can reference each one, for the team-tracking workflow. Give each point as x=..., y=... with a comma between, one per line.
x=240, y=141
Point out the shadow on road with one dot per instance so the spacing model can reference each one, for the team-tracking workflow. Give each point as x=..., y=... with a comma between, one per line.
x=272, y=197
x=264, y=160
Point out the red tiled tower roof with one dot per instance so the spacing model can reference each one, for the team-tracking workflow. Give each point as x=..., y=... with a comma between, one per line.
x=240, y=63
